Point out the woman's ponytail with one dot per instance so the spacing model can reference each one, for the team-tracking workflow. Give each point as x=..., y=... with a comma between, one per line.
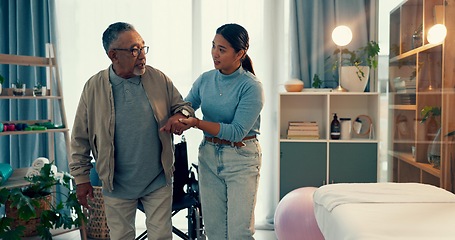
x=248, y=64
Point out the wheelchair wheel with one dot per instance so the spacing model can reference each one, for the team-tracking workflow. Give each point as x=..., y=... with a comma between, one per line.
x=195, y=224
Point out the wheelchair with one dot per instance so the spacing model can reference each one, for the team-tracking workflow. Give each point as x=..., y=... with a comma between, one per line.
x=185, y=196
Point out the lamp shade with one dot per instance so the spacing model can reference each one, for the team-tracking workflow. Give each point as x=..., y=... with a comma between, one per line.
x=342, y=35
x=437, y=33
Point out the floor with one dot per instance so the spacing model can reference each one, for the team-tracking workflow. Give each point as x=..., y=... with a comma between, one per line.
x=179, y=221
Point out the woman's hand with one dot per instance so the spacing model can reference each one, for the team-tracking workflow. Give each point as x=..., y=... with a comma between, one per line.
x=174, y=125
x=212, y=128
x=190, y=122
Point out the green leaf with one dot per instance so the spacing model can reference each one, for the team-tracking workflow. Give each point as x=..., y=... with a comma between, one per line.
x=7, y=233
x=363, y=56
x=66, y=221
x=48, y=218
x=24, y=204
x=19, y=84
x=44, y=232
x=429, y=111
x=4, y=195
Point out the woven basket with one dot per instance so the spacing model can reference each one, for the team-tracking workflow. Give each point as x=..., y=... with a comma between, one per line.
x=97, y=225
x=31, y=224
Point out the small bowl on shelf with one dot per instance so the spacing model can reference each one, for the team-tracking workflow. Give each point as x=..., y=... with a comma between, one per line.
x=293, y=85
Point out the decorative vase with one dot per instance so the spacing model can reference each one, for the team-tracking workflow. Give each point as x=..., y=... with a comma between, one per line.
x=352, y=79
x=432, y=128
x=434, y=151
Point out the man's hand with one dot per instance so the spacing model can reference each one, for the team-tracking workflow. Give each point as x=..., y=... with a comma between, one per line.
x=83, y=191
x=173, y=125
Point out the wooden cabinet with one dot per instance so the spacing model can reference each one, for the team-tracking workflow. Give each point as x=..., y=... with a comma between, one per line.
x=315, y=162
x=353, y=162
x=298, y=169
x=51, y=102
x=420, y=79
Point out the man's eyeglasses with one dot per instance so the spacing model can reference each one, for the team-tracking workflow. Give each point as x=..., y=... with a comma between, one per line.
x=135, y=51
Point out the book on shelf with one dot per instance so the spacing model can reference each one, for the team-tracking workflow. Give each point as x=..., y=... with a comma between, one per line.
x=303, y=132
x=302, y=123
x=303, y=137
x=302, y=128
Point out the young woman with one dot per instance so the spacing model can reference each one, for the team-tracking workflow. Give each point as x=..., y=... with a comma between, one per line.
x=231, y=99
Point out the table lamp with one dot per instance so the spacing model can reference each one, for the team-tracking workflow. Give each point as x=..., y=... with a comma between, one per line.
x=437, y=33
x=341, y=36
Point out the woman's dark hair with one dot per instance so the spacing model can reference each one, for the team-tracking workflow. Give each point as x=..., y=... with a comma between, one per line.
x=112, y=32
x=237, y=36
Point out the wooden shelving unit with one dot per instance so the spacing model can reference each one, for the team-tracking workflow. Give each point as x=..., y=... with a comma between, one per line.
x=53, y=79
x=421, y=75
x=52, y=96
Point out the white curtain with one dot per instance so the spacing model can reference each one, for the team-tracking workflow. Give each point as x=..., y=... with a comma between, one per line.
x=179, y=34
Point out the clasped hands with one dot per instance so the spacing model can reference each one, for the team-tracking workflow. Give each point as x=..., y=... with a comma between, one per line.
x=178, y=123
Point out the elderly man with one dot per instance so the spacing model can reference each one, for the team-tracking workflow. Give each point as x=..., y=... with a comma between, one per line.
x=118, y=122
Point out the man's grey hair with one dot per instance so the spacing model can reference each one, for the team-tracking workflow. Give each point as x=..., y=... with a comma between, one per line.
x=112, y=32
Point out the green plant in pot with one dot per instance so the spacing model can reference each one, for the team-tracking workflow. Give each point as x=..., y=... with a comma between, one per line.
x=317, y=82
x=38, y=89
x=355, y=64
x=27, y=203
x=430, y=114
x=18, y=88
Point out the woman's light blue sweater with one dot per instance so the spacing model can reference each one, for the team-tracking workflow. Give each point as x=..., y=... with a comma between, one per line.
x=235, y=101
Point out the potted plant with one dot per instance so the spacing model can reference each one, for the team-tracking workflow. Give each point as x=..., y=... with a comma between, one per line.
x=39, y=90
x=355, y=64
x=18, y=88
x=428, y=112
x=28, y=202
x=319, y=85
x=317, y=82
